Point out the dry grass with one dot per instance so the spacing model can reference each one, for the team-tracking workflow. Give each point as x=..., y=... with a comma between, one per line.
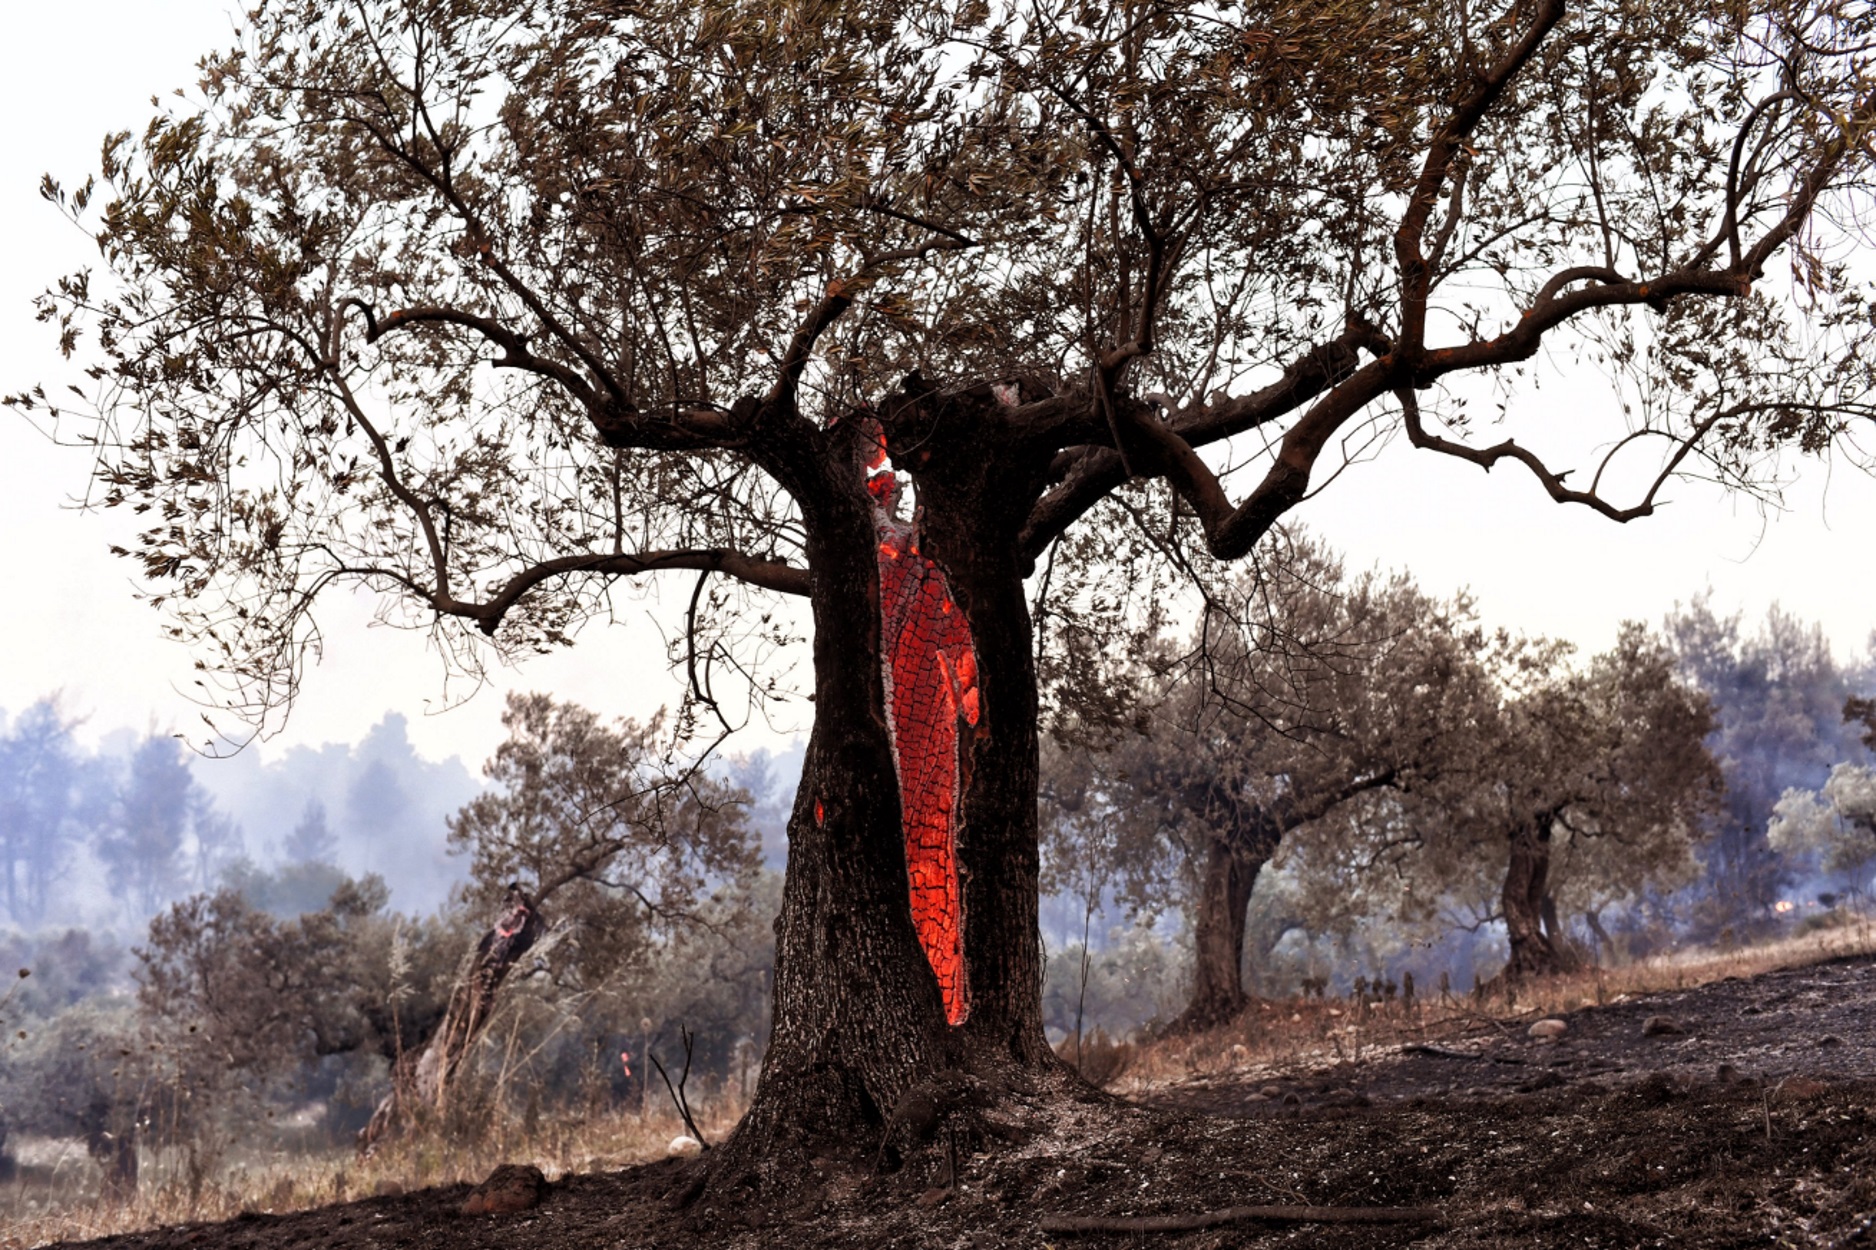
x=56, y=1195
x=1288, y=1036
x=55, y=1198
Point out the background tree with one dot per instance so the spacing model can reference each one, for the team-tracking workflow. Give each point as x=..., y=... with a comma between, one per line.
x=1836, y=824
x=63, y=971
x=243, y=1001
x=90, y=1072
x=1301, y=690
x=597, y=824
x=1777, y=692
x=141, y=841
x=312, y=840
x=484, y=306
x=1595, y=785
x=40, y=808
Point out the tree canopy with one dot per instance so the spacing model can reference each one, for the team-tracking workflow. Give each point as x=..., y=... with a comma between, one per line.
x=484, y=305
x=1301, y=690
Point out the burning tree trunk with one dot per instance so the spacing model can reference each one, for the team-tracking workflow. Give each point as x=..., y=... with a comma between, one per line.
x=422, y=1076
x=911, y=892
x=930, y=673
x=859, y=1018
x=1527, y=888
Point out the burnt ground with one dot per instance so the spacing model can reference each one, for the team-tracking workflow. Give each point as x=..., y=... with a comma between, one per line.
x=1755, y=1125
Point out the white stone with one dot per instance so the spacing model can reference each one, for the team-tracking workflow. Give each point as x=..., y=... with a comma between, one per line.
x=684, y=1146
x=1548, y=1029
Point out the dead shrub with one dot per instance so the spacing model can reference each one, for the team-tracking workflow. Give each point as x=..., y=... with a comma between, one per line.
x=1102, y=1059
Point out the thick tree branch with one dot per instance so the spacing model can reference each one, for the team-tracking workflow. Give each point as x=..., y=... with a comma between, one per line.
x=839, y=297
x=1416, y=270
x=515, y=352
x=479, y=236
x=801, y=348
x=773, y=575
x=1089, y=473
x=618, y=421
x=1552, y=481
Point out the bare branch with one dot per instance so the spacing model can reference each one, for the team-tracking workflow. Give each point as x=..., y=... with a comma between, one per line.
x=1415, y=267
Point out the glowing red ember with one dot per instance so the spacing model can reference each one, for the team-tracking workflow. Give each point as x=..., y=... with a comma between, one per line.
x=931, y=686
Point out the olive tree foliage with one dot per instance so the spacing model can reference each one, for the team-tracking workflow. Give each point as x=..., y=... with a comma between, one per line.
x=621, y=848
x=1302, y=689
x=257, y=995
x=248, y=1003
x=482, y=306
x=1594, y=784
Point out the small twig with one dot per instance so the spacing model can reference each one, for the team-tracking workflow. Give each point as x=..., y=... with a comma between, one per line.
x=677, y=1091
x=1237, y=1215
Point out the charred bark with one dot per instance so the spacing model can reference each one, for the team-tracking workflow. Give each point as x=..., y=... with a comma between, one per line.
x=998, y=853
x=1527, y=888
x=972, y=508
x=858, y=1019
x=422, y=1076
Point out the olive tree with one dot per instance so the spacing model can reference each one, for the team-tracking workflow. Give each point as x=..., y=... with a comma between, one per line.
x=590, y=836
x=1591, y=784
x=490, y=305
x=1301, y=692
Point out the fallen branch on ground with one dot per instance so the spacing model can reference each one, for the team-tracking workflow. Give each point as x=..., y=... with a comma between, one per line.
x=1440, y=1052
x=1237, y=1215
x=1453, y=1052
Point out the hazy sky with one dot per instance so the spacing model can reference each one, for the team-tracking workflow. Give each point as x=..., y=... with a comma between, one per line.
x=73, y=71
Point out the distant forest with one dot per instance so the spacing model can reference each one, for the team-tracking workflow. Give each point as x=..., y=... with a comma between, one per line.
x=105, y=838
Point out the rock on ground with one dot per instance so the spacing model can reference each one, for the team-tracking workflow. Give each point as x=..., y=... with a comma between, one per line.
x=511, y=1187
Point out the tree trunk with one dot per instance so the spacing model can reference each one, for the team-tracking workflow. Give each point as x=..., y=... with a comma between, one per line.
x=998, y=855
x=1218, y=935
x=1527, y=886
x=858, y=1019
x=972, y=508
x=421, y=1077
x=116, y=1154
x=1604, y=944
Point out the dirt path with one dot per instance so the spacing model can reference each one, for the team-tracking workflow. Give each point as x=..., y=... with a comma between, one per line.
x=1754, y=1125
